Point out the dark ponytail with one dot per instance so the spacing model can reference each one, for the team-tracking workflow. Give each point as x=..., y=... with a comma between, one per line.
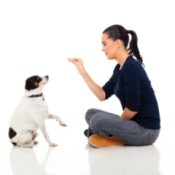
x=119, y=32
x=133, y=48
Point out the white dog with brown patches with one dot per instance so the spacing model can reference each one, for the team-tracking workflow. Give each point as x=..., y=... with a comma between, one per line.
x=31, y=114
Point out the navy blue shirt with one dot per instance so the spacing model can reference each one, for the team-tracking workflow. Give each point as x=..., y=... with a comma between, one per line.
x=133, y=88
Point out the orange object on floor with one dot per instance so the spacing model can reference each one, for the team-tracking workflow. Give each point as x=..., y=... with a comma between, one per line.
x=100, y=141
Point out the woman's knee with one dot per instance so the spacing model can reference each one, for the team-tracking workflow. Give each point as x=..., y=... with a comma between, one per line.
x=96, y=121
x=89, y=114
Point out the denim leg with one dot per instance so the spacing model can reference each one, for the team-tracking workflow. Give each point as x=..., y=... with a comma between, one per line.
x=88, y=116
x=90, y=113
x=128, y=131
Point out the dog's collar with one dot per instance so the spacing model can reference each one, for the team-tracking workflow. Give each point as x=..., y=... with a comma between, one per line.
x=37, y=95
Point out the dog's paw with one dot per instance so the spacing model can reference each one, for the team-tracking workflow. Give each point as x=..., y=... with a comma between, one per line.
x=52, y=145
x=62, y=124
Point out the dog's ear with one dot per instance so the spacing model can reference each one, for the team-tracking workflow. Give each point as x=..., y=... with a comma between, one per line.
x=30, y=84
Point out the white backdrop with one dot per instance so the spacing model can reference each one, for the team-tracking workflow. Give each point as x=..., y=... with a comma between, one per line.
x=37, y=37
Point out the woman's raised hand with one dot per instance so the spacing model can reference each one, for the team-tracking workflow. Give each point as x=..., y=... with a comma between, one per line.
x=95, y=88
x=78, y=63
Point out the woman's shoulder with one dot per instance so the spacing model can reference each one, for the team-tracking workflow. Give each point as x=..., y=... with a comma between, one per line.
x=133, y=68
x=132, y=64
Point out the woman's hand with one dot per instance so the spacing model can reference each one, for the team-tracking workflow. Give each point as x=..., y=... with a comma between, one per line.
x=128, y=114
x=78, y=63
x=95, y=88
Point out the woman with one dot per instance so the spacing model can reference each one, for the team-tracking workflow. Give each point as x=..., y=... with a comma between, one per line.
x=139, y=123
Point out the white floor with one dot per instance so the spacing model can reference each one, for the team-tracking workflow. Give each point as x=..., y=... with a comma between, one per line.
x=74, y=156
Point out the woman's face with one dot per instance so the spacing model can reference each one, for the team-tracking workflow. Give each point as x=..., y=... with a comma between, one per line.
x=109, y=46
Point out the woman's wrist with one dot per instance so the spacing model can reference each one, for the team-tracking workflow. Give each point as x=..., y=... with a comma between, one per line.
x=83, y=72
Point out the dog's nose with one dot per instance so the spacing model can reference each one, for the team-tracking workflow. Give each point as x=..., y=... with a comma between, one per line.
x=47, y=77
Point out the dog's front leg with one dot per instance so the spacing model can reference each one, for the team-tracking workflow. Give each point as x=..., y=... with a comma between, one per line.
x=57, y=118
x=46, y=135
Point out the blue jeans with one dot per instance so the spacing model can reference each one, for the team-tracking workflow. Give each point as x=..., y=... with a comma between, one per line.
x=128, y=131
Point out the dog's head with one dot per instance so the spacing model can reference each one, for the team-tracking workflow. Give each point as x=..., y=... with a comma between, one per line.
x=36, y=82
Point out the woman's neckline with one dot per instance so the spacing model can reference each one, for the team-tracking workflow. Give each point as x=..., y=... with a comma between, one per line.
x=120, y=68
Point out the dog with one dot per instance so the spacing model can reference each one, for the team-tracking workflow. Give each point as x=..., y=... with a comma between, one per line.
x=30, y=115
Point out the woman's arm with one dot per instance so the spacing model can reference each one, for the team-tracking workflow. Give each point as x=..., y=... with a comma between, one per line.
x=95, y=88
x=128, y=114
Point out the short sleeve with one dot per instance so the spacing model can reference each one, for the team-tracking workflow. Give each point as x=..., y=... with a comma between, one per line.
x=132, y=83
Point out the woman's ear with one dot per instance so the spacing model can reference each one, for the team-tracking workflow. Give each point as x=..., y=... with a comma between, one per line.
x=119, y=43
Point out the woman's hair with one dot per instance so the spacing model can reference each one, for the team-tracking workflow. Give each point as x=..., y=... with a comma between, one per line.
x=119, y=32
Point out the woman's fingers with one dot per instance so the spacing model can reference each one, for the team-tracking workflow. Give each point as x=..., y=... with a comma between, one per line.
x=78, y=63
x=75, y=61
